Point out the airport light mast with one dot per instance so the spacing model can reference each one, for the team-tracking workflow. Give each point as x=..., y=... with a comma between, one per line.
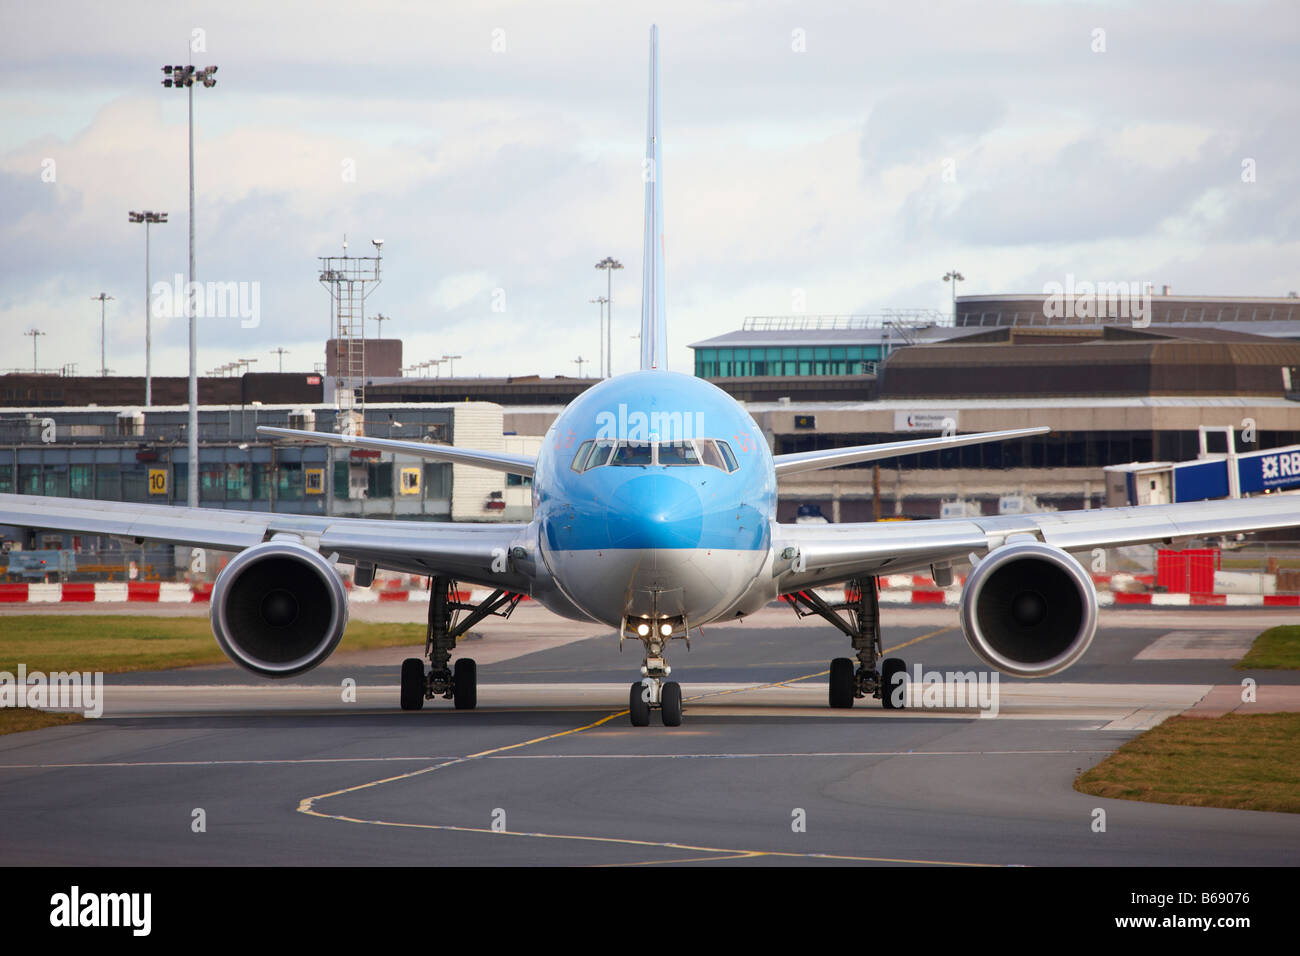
x=35, y=334
x=184, y=77
x=609, y=263
x=103, y=299
x=954, y=277
x=148, y=217
x=600, y=352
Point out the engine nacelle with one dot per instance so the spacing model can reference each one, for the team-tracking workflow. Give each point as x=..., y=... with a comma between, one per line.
x=1029, y=610
x=279, y=609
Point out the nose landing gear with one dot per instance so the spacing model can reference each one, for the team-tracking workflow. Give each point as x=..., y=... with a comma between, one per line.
x=653, y=691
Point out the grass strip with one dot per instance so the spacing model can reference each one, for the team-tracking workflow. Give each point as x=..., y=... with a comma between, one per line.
x=15, y=720
x=1238, y=761
x=115, y=643
x=1278, y=648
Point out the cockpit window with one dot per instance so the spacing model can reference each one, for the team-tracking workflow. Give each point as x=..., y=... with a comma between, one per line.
x=678, y=453
x=599, y=454
x=580, y=459
x=710, y=455
x=728, y=456
x=633, y=453
x=714, y=453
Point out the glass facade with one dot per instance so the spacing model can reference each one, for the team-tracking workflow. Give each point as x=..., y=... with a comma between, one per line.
x=288, y=485
x=238, y=469
x=229, y=481
x=787, y=361
x=240, y=481
x=82, y=483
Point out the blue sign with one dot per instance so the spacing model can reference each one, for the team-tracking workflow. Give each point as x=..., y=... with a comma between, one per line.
x=1278, y=468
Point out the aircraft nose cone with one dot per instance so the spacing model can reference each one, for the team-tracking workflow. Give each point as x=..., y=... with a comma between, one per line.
x=655, y=511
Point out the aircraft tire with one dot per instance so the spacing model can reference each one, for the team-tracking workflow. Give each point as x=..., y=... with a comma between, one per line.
x=638, y=707
x=465, y=684
x=412, y=683
x=888, y=668
x=670, y=704
x=843, y=683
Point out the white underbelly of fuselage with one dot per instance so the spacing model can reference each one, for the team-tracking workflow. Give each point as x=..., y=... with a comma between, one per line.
x=703, y=585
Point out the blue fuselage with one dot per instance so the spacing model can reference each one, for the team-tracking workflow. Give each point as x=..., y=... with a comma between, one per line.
x=667, y=521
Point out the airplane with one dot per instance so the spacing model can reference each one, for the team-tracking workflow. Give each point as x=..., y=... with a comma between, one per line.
x=654, y=497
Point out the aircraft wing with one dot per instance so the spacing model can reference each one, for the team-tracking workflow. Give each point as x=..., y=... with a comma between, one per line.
x=494, y=460
x=474, y=553
x=800, y=461
x=830, y=553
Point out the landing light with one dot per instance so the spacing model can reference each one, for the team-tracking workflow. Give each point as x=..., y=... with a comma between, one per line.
x=643, y=629
x=665, y=629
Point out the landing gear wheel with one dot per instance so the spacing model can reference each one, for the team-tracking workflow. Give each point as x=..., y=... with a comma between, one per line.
x=843, y=683
x=893, y=694
x=638, y=707
x=465, y=684
x=670, y=704
x=412, y=683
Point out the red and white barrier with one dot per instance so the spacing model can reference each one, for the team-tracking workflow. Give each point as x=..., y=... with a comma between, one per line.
x=165, y=592
x=1108, y=599
x=895, y=589
x=104, y=592
x=919, y=589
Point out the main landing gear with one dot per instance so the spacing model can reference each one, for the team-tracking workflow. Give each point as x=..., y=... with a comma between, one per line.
x=440, y=680
x=653, y=691
x=858, y=616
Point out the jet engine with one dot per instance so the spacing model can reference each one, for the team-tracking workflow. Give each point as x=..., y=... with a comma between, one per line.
x=279, y=608
x=1029, y=609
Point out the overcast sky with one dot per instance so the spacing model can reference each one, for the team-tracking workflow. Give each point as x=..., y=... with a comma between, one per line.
x=842, y=156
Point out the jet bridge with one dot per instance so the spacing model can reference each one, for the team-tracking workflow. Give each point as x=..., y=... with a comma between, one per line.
x=1229, y=474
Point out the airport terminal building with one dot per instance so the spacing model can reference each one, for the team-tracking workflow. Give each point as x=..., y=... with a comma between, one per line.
x=131, y=454
x=1114, y=390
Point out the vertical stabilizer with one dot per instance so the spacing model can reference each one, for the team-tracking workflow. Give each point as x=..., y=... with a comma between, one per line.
x=654, y=324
